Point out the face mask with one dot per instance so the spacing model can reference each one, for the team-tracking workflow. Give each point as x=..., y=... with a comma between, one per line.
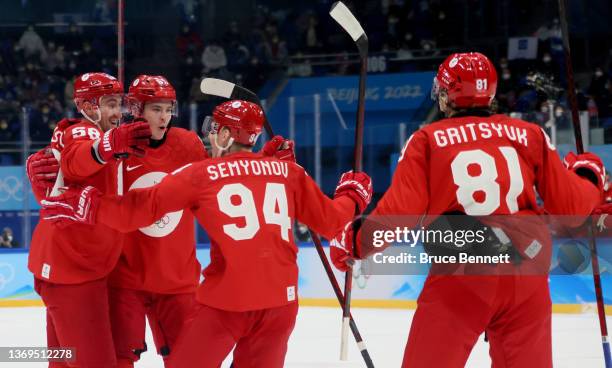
x=598, y=73
x=546, y=59
x=506, y=76
x=558, y=113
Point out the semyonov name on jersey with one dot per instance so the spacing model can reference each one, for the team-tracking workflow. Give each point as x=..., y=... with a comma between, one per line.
x=247, y=167
x=474, y=131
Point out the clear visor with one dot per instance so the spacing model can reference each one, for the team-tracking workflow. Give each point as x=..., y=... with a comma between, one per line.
x=209, y=126
x=435, y=89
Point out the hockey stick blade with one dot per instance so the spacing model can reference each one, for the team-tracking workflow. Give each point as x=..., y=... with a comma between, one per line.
x=225, y=89
x=232, y=91
x=351, y=25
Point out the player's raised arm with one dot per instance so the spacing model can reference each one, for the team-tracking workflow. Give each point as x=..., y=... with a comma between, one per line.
x=324, y=215
x=135, y=209
x=575, y=188
x=87, y=145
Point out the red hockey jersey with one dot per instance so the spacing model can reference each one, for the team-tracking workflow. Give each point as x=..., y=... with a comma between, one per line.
x=490, y=165
x=161, y=257
x=248, y=204
x=78, y=253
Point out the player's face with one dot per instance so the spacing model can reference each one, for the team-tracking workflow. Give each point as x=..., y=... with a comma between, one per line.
x=110, y=112
x=158, y=114
x=443, y=102
x=220, y=139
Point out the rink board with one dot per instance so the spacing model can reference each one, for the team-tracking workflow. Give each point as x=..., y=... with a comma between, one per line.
x=569, y=293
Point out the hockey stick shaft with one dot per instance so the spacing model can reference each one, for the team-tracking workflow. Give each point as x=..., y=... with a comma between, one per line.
x=351, y=25
x=571, y=93
x=353, y=326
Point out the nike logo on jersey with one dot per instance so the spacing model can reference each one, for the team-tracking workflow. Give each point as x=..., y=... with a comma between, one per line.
x=130, y=168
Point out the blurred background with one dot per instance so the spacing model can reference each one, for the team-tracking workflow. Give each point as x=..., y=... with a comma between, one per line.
x=302, y=65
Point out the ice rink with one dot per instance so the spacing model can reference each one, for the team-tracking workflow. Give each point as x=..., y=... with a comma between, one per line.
x=316, y=339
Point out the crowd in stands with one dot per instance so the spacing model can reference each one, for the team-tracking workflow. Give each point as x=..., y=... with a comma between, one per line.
x=37, y=67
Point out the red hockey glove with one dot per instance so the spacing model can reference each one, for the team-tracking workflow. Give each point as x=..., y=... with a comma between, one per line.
x=602, y=218
x=358, y=186
x=281, y=148
x=75, y=205
x=589, y=166
x=341, y=248
x=130, y=138
x=42, y=169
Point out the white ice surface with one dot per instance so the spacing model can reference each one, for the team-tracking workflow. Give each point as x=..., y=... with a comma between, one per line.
x=316, y=339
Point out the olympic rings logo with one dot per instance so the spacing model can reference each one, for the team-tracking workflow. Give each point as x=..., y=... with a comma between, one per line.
x=162, y=222
x=11, y=187
x=7, y=274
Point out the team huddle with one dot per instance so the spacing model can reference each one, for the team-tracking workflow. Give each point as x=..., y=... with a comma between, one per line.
x=115, y=245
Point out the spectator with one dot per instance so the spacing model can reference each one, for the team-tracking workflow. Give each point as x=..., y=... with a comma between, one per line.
x=233, y=33
x=311, y=37
x=7, y=132
x=213, y=57
x=598, y=83
x=188, y=42
x=238, y=56
x=103, y=12
x=73, y=39
x=31, y=44
x=88, y=60
x=55, y=57
x=187, y=8
x=276, y=51
x=7, y=240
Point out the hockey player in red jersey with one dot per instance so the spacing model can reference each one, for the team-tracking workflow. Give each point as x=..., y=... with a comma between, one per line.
x=479, y=164
x=157, y=273
x=71, y=265
x=247, y=203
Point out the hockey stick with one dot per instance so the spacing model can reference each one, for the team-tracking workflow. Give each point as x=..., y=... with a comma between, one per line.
x=232, y=91
x=350, y=24
x=571, y=94
x=225, y=89
x=59, y=181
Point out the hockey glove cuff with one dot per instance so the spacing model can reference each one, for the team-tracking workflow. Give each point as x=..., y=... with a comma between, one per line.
x=358, y=186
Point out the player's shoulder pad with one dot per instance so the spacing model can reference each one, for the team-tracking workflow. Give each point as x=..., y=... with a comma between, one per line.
x=418, y=139
x=184, y=135
x=67, y=122
x=185, y=145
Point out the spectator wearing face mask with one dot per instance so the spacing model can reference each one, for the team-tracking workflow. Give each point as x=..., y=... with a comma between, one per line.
x=7, y=240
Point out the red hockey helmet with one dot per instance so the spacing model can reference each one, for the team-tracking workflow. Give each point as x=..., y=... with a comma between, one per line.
x=91, y=86
x=146, y=88
x=469, y=79
x=244, y=120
